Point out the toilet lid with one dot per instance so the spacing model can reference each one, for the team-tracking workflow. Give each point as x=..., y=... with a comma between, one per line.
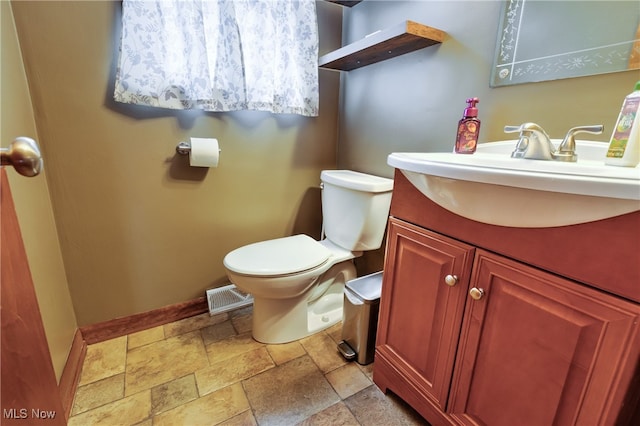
x=277, y=257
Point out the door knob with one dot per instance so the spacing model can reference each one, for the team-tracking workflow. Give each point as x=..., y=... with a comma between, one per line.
x=24, y=155
x=476, y=293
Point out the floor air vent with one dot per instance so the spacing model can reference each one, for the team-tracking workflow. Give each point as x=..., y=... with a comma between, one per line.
x=227, y=298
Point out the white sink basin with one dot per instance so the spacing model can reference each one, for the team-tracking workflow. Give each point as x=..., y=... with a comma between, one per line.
x=491, y=187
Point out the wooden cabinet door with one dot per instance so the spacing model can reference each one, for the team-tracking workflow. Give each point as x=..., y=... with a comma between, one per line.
x=537, y=349
x=420, y=314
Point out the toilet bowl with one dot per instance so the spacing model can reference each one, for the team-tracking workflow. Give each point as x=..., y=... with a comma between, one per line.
x=297, y=283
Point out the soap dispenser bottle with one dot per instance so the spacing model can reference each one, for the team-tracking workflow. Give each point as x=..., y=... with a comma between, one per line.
x=624, y=146
x=468, y=129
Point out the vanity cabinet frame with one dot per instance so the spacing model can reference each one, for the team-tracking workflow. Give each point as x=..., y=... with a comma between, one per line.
x=538, y=347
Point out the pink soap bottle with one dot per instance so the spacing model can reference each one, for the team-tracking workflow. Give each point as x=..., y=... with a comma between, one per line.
x=468, y=129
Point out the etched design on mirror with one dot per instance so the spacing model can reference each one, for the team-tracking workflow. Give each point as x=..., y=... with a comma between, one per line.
x=539, y=40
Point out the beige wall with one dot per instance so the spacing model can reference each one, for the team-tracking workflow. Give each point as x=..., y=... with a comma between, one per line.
x=139, y=228
x=33, y=205
x=413, y=102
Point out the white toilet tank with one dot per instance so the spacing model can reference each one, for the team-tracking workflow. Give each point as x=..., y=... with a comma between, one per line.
x=355, y=208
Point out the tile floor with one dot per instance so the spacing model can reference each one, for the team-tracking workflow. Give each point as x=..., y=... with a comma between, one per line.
x=207, y=370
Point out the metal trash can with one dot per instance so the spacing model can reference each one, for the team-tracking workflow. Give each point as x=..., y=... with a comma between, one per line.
x=360, y=318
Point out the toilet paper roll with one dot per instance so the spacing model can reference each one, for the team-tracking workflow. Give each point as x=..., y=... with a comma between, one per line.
x=204, y=152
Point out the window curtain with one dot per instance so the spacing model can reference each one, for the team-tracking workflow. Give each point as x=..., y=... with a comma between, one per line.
x=220, y=55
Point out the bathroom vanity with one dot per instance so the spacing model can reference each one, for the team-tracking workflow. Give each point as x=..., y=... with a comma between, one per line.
x=483, y=324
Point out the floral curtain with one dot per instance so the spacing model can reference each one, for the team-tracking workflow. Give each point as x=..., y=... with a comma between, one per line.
x=220, y=55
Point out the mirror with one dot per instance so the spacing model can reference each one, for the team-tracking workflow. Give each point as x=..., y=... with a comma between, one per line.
x=548, y=40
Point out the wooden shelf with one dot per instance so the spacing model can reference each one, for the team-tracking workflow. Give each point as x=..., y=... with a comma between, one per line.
x=389, y=43
x=348, y=3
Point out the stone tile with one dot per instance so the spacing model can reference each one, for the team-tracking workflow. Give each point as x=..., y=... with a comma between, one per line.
x=243, y=419
x=98, y=393
x=336, y=415
x=241, y=319
x=335, y=332
x=127, y=411
x=348, y=380
x=231, y=347
x=372, y=407
x=144, y=337
x=285, y=352
x=232, y=370
x=193, y=323
x=217, y=332
x=284, y=383
x=177, y=392
x=211, y=409
x=163, y=361
x=103, y=360
x=289, y=393
x=367, y=370
x=242, y=312
x=324, y=351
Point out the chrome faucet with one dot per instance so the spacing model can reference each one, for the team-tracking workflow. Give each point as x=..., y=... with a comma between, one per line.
x=535, y=144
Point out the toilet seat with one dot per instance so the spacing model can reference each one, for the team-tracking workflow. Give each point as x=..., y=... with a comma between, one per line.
x=281, y=256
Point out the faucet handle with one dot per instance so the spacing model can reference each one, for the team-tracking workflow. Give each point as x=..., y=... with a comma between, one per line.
x=511, y=129
x=594, y=130
x=525, y=128
x=567, y=149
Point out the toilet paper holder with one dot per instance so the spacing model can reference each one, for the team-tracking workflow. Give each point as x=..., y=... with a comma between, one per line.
x=184, y=148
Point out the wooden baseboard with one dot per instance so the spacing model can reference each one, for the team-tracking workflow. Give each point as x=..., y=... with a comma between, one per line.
x=71, y=372
x=122, y=326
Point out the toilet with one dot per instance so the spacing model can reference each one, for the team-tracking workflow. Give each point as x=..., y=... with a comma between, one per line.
x=297, y=283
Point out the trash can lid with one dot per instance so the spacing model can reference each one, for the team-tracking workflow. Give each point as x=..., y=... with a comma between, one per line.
x=368, y=288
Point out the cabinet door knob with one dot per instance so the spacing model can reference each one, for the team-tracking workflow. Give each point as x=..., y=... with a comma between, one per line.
x=476, y=293
x=451, y=280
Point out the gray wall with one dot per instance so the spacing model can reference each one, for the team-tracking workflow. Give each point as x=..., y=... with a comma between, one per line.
x=413, y=102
